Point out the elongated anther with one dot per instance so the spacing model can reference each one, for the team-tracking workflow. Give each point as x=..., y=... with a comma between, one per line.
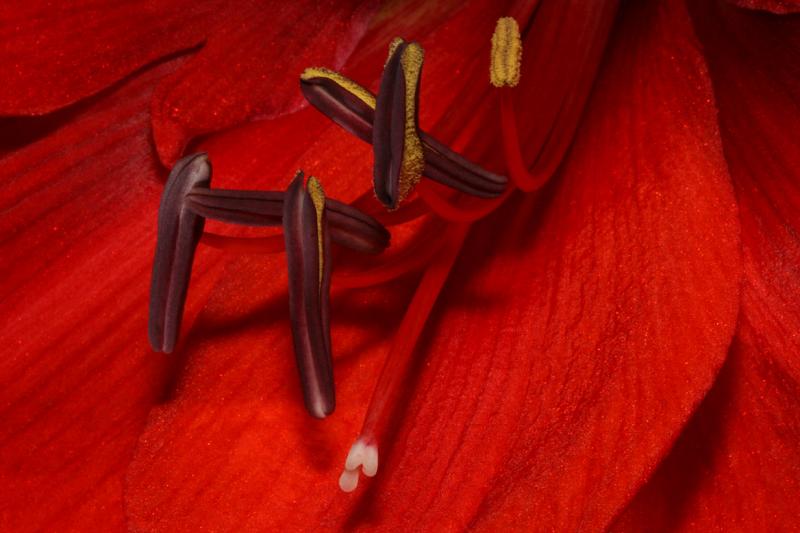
x=250, y=208
x=399, y=159
x=305, y=230
x=356, y=230
x=179, y=230
x=353, y=108
x=506, y=53
x=348, y=226
x=344, y=101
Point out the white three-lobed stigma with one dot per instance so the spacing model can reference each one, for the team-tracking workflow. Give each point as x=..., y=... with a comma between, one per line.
x=362, y=455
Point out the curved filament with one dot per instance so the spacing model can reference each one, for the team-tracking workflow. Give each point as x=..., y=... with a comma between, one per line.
x=519, y=174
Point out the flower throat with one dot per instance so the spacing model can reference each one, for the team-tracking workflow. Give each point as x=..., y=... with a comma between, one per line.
x=455, y=193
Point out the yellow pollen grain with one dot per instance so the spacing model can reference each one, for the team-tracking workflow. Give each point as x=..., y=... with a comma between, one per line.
x=413, y=160
x=506, y=53
x=314, y=188
x=397, y=41
x=346, y=83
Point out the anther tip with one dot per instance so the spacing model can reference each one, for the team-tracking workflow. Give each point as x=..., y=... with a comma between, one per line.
x=197, y=158
x=321, y=409
x=178, y=232
x=315, y=190
x=160, y=345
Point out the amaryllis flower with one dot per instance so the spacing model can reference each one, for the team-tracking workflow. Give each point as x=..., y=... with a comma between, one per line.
x=612, y=343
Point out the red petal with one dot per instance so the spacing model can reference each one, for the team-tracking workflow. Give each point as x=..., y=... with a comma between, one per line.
x=627, y=293
x=77, y=377
x=251, y=67
x=562, y=362
x=737, y=467
x=55, y=53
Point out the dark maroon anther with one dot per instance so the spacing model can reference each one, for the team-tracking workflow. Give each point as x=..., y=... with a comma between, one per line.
x=348, y=226
x=179, y=230
x=249, y=208
x=389, y=129
x=353, y=108
x=454, y=170
x=305, y=230
x=351, y=228
x=340, y=99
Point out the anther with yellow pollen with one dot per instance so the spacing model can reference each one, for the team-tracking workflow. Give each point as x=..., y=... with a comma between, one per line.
x=310, y=222
x=403, y=153
x=504, y=73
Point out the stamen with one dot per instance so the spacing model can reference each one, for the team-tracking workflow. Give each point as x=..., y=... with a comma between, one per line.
x=353, y=107
x=470, y=212
x=344, y=101
x=308, y=257
x=179, y=231
x=393, y=46
x=399, y=160
x=356, y=230
x=317, y=195
x=506, y=53
x=348, y=226
x=364, y=452
x=451, y=169
x=504, y=71
x=250, y=208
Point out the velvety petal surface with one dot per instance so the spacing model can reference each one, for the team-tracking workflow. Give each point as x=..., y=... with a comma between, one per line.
x=737, y=467
x=77, y=377
x=250, y=66
x=571, y=345
x=252, y=54
x=55, y=53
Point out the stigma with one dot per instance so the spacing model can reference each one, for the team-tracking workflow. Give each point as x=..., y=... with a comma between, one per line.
x=363, y=457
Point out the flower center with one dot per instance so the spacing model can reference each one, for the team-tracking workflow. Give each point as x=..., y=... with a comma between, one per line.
x=456, y=193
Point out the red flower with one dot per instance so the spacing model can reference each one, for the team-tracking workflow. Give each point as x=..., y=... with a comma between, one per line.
x=619, y=350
